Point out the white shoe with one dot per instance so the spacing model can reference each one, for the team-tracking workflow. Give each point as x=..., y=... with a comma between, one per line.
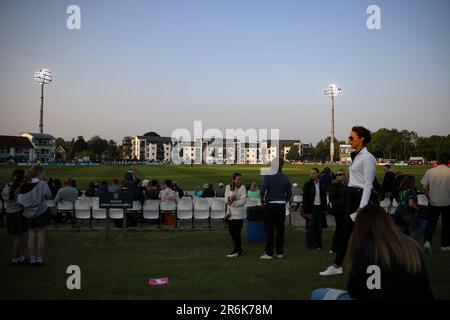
x=233, y=255
x=280, y=256
x=331, y=271
x=427, y=247
x=265, y=256
x=445, y=248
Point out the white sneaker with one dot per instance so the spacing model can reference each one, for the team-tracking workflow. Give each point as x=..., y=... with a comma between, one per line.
x=280, y=256
x=233, y=255
x=265, y=256
x=331, y=271
x=427, y=247
x=445, y=248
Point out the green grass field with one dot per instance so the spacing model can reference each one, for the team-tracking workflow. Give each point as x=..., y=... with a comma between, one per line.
x=119, y=267
x=191, y=177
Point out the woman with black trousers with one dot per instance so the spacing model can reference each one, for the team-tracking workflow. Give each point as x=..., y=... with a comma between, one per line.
x=337, y=201
x=235, y=195
x=359, y=192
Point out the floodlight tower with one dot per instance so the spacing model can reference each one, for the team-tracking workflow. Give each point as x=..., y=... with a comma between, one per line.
x=44, y=76
x=332, y=91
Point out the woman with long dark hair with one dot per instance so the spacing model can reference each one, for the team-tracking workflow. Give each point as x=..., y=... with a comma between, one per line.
x=235, y=195
x=15, y=221
x=377, y=244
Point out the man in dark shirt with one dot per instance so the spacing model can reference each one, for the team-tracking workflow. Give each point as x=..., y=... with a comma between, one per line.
x=276, y=191
x=313, y=209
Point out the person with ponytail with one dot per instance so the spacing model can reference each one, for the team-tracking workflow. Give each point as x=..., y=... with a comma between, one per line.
x=33, y=195
x=15, y=222
x=235, y=195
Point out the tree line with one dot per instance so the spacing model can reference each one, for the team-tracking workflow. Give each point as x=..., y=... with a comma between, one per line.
x=386, y=144
x=96, y=148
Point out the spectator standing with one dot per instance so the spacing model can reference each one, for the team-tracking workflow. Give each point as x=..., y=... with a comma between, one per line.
x=337, y=201
x=236, y=195
x=276, y=191
x=33, y=195
x=359, y=191
x=436, y=186
x=313, y=209
x=15, y=222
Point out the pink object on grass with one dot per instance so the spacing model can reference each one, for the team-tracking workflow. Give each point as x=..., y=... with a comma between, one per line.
x=158, y=281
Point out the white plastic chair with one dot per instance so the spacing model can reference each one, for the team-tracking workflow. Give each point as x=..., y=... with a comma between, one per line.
x=201, y=210
x=217, y=209
x=97, y=213
x=184, y=210
x=66, y=207
x=83, y=208
x=150, y=211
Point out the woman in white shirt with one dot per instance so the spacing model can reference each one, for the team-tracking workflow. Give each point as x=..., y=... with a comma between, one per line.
x=235, y=195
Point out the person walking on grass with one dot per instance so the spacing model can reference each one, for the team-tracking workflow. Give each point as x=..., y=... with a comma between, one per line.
x=15, y=222
x=235, y=195
x=33, y=195
x=276, y=191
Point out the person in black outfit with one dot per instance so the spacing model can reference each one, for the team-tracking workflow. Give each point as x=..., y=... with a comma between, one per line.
x=388, y=181
x=209, y=191
x=399, y=176
x=377, y=241
x=276, y=191
x=313, y=210
x=337, y=201
x=178, y=189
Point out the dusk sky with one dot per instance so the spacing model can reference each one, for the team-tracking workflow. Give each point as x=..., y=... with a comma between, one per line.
x=157, y=65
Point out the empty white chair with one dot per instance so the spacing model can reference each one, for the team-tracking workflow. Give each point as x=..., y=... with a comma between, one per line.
x=83, y=210
x=116, y=214
x=201, y=210
x=150, y=211
x=97, y=213
x=210, y=200
x=184, y=210
x=217, y=209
